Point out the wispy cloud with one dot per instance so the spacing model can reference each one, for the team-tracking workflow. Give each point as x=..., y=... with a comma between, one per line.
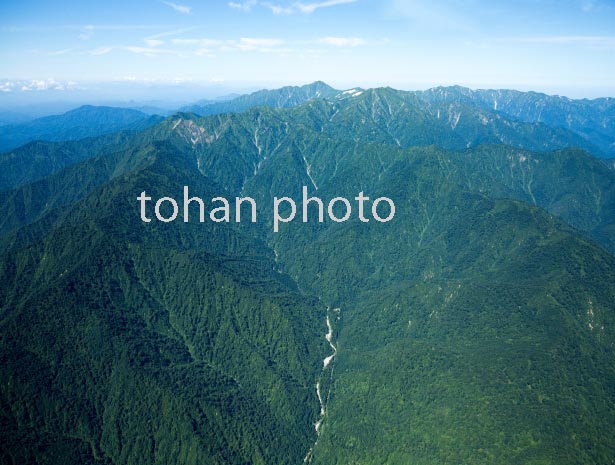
x=279, y=10
x=311, y=7
x=151, y=51
x=154, y=42
x=204, y=52
x=596, y=6
x=86, y=32
x=7, y=86
x=199, y=42
x=243, y=6
x=173, y=32
x=342, y=41
x=89, y=29
x=101, y=51
x=211, y=47
x=288, y=8
x=179, y=8
x=35, y=85
x=251, y=43
x=589, y=41
x=443, y=15
x=206, y=46
x=39, y=84
x=63, y=51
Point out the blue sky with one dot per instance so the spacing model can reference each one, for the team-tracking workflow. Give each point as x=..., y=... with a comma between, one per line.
x=557, y=46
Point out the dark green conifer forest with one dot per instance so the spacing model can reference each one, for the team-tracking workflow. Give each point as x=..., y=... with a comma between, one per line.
x=475, y=327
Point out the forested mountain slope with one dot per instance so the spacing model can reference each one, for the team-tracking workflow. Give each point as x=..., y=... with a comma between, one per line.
x=474, y=327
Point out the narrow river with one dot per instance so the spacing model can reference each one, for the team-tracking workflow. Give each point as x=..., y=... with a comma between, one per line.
x=323, y=401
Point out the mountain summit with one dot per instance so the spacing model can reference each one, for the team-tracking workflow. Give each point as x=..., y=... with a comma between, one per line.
x=284, y=97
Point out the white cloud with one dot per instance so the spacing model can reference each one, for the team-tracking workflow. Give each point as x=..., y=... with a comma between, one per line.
x=101, y=51
x=151, y=51
x=186, y=47
x=208, y=47
x=243, y=6
x=135, y=49
x=589, y=41
x=86, y=32
x=199, y=42
x=172, y=33
x=154, y=42
x=179, y=8
x=204, y=52
x=288, y=8
x=60, y=52
x=185, y=41
x=260, y=42
x=36, y=85
x=311, y=7
x=251, y=44
x=279, y=10
x=7, y=86
x=342, y=41
x=83, y=28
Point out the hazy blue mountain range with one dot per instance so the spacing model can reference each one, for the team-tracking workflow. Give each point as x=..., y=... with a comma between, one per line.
x=13, y=117
x=472, y=328
x=593, y=119
x=17, y=114
x=85, y=121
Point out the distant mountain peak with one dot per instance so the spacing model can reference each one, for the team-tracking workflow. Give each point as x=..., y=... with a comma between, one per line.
x=284, y=97
x=319, y=85
x=81, y=122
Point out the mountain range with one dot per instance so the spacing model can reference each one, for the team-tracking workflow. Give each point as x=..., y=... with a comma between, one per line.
x=79, y=123
x=592, y=120
x=475, y=327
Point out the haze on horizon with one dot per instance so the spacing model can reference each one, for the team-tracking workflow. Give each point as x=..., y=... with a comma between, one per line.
x=179, y=51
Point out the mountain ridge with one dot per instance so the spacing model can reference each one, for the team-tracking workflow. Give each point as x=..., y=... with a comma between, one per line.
x=278, y=98
x=585, y=117
x=81, y=122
